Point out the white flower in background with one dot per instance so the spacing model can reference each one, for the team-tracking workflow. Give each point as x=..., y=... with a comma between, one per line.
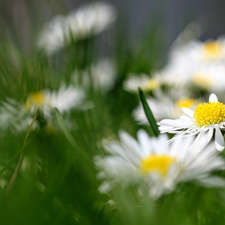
x=53, y=36
x=17, y=116
x=164, y=107
x=145, y=82
x=209, y=77
x=91, y=19
x=86, y=21
x=100, y=76
x=203, y=121
x=200, y=52
x=64, y=100
x=160, y=165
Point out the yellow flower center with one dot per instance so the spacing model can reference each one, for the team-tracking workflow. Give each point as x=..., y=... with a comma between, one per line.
x=156, y=163
x=151, y=85
x=36, y=99
x=212, y=49
x=203, y=80
x=209, y=113
x=187, y=103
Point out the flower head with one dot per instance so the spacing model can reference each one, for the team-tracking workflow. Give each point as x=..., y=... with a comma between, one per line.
x=17, y=116
x=143, y=81
x=86, y=21
x=160, y=165
x=203, y=120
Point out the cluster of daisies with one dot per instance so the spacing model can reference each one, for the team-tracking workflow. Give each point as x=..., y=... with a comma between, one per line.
x=178, y=97
x=87, y=21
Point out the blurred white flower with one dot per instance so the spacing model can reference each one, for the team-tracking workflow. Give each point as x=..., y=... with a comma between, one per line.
x=164, y=106
x=160, y=165
x=86, y=21
x=17, y=116
x=200, y=52
x=100, y=76
x=144, y=81
x=64, y=99
x=203, y=121
x=53, y=36
x=91, y=19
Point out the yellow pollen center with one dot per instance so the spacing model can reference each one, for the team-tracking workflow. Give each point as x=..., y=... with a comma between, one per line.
x=212, y=49
x=187, y=103
x=36, y=99
x=151, y=85
x=156, y=163
x=209, y=113
x=203, y=80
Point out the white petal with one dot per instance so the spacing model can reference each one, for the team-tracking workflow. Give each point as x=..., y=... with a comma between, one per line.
x=219, y=140
x=210, y=134
x=213, y=98
x=188, y=112
x=145, y=142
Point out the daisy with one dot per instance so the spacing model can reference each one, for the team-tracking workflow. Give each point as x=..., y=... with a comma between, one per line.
x=160, y=165
x=91, y=19
x=17, y=116
x=203, y=121
x=164, y=106
x=64, y=99
x=86, y=21
x=144, y=81
x=200, y=52
x=53, y=36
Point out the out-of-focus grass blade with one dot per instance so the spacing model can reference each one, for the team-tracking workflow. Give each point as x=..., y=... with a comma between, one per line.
x=148, y=113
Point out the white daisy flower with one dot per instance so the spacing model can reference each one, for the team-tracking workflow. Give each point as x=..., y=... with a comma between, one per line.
x=101, y=76
x=86, y=21
x=160, y=165
x=203, y=121
x=53, y=36
x=164, y=106
x=64, y=99
x=17, y=116
x=144, y=81
x=200, y=52
x=91, y=19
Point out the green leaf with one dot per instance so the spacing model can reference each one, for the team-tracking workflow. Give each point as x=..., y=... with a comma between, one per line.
x=148, y=113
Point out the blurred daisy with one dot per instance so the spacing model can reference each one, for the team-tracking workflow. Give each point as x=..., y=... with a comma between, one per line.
x=143, y=81
x=64, y=99
x=86, y=21
x=91, y=19
x=203, y=121
x=53, y=36
x=163, y=106
x=209, y=77
x=18, y=116
x=101, y=76
x=160, y=165
x=200, y=52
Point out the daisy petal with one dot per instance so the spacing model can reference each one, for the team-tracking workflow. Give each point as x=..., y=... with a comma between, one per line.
x=188, y=112
x=213, y=98
x=210, y=134
x=219, y=141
